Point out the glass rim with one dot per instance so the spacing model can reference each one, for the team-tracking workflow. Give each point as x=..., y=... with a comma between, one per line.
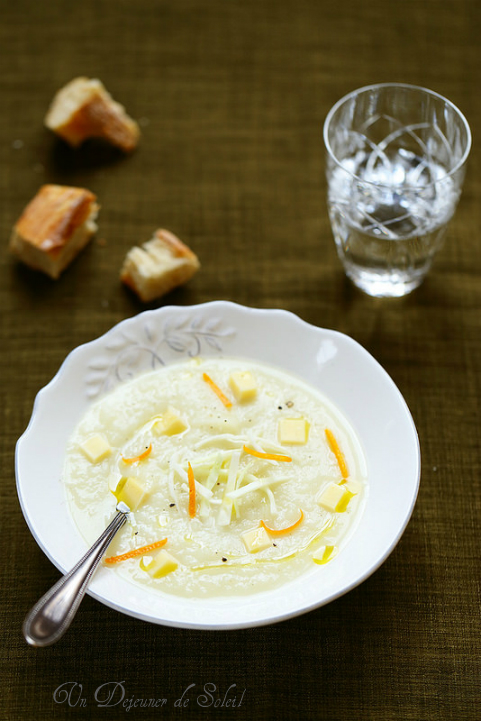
x=377, y=86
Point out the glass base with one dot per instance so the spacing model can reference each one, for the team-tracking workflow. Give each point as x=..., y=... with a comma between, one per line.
x=383, y=285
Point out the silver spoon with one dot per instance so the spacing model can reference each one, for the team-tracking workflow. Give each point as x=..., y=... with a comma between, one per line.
x=54, y=612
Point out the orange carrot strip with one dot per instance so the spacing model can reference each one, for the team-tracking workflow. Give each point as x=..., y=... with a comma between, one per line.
x=281, y=531
x=267, y=456
x=190, y=476
x=217, y=390
x=341, y=461
x=136, y=552
x=141, y=457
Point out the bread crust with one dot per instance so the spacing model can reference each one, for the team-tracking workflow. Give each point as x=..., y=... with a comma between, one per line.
x=53, y=228
x=160, y=265
x=84, y=109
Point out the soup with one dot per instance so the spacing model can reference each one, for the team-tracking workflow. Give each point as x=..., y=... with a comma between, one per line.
x=239, y=475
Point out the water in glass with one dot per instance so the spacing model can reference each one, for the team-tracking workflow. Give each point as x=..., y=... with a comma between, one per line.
x=389, y=219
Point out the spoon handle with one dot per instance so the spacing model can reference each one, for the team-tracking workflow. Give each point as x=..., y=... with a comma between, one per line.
x=53, y=613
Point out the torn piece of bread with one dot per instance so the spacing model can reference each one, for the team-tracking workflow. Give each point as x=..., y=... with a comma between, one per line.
x=54, y=227
x=84, y=109
x=161, y=264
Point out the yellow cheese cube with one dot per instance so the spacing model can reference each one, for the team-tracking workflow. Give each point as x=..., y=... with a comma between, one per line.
x=324, y=554
x=293, y=431
x=131, y=492
x=256, y=540
x=161, y=564
x=335, y=498
x=353, y=487
x=243, y=385
x=96, y=448
x=169, y=424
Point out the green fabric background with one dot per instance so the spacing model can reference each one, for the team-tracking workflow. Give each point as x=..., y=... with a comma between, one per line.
x=231, y=97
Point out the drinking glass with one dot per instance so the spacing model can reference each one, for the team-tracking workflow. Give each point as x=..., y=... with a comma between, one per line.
x=396, y=157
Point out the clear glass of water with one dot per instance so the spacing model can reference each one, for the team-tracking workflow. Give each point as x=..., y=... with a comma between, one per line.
x=396, y=157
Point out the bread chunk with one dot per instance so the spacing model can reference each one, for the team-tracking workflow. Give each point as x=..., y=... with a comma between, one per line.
x=161, y=264
x=54, y=227
x=84, y=109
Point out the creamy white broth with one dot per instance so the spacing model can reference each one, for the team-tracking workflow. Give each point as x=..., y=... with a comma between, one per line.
x=212, y=557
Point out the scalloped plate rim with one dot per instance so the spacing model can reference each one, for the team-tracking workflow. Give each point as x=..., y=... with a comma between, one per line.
x=260, y=616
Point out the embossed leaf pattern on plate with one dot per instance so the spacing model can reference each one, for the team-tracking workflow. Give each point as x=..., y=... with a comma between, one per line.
x=126, y=355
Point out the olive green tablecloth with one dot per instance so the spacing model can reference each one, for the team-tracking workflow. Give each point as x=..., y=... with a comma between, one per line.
x=231, y=97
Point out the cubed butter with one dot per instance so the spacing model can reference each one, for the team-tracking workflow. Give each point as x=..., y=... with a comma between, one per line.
x=335, y=498
x=169, y=424
x=324, y=554
x=243, y=385
x=96, y=448
x=293, y=431
x=131, y=492
x=162, y=564
x=256, y=540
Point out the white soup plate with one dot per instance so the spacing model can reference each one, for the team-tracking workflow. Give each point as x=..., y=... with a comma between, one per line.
x=332, y=362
